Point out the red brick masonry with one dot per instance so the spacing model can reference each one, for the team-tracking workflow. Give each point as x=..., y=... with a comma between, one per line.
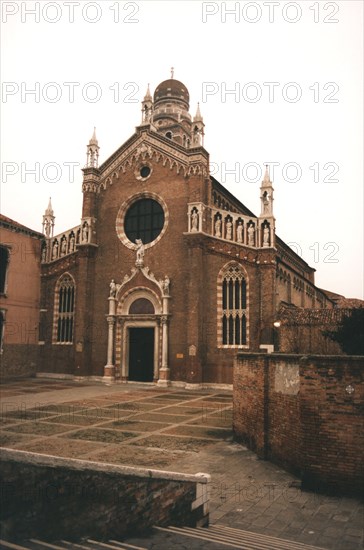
x=61, y=497
x=304, y=413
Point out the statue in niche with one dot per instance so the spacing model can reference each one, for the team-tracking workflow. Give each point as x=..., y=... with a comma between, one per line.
x=194, y=220
x=251, y=235
x=64, y=246
x=239, y=232
x=55, y=250
x=147, y=114
x=139, y=253
x=72, y=243
x=44, y=253
x=112, y=289
x=265, y=202
x=218, y=227
x=229, y=230
x=165, y=285
x=47, y=228
x=196, y=136
x=85, y=232
x=266, y=236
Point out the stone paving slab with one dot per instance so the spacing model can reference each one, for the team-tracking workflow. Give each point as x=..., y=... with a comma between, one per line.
x=178, y=431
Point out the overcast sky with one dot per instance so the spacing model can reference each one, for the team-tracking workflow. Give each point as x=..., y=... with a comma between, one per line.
x=295, y=77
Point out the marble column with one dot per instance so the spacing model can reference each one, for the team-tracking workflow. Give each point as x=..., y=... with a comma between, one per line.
x=164, y=371
x=109, y=369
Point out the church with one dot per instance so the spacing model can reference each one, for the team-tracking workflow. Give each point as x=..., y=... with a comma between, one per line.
x=168, y=274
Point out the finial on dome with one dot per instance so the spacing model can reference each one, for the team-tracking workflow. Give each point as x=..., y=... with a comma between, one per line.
x=172, y=72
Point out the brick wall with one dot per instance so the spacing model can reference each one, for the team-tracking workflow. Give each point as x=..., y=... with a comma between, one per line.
x=20, y=303
x=19, y=361
x=54, y=498
x=302, y=413
x=307, y=339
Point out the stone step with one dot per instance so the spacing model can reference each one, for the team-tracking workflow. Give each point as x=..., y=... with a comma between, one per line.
x=88, y=544
x=236, y=538
x=214, y=536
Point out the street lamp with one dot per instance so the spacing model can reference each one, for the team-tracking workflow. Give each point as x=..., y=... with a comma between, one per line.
x=276, y=326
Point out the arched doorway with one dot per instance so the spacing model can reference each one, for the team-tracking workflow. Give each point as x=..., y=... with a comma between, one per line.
x=138, y=336
x=141, y=343
x=141, y=354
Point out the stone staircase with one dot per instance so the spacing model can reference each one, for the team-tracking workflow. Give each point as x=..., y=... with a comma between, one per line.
x=215, y=537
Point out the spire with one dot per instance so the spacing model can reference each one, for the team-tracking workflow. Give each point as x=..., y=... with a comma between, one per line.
x=266, y=195
x=147, y=107
x=49, y=211
x=93, y=152
x=198, y=131
x=148, y=95
x=198, y=117
x=48, y=220
x=266, y=180
x=93, y=140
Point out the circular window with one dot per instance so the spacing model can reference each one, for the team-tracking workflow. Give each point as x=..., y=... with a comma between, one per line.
x=145, y=171
x=144, y=220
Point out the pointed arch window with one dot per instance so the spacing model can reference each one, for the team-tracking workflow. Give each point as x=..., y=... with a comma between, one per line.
x=64, y=310
x=233, y=313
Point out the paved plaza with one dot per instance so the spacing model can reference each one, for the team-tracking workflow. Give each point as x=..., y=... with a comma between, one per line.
x=181, y=431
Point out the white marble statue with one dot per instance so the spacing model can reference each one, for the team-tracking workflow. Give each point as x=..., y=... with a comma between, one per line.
x=85, y=233
x=218, y=227
x=72, y=243
x=112, y=289
x=194, y=220
x=139, y=253
x=251, y=235
x=55, y=250
x=239, y=232
x=229, y=230
x=165, y=284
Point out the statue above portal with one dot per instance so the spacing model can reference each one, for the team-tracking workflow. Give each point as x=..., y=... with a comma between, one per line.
x=139, y=253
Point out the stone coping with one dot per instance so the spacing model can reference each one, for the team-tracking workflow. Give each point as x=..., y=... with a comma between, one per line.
x=36, y=459
x=300, y=356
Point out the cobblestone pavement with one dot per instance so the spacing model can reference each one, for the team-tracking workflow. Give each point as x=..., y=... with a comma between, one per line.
x=176, y=430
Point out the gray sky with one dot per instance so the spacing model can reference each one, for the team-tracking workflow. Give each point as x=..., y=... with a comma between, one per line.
x=277, y=82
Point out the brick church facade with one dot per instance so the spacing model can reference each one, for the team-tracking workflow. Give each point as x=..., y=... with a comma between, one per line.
x=168, y=275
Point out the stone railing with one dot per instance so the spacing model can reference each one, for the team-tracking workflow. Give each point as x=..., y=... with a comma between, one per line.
x=230, y=226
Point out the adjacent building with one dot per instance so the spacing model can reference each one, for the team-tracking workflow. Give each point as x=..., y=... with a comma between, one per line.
x=20, y=259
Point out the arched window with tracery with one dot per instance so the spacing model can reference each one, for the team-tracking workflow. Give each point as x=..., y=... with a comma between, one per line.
x=64, y=310
x=232, y=306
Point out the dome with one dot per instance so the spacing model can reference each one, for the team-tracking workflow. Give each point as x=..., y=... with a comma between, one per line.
x=171, y=89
